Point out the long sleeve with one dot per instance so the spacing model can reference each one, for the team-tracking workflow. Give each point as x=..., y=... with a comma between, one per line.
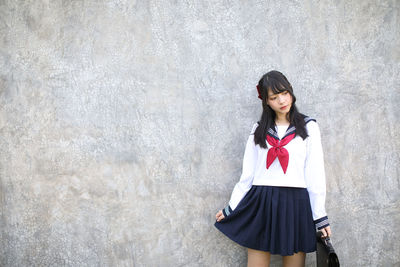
x=246, y=178
x=314, y=175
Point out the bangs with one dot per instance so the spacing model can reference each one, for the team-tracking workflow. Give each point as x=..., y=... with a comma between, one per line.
x=276, y=87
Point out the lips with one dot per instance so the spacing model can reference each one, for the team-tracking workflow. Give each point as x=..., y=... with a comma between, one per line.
x=283, y=107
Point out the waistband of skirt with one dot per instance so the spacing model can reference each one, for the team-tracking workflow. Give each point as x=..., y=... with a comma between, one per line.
x=280, y=187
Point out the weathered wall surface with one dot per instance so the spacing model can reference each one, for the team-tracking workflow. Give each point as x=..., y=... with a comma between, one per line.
x=123, y=124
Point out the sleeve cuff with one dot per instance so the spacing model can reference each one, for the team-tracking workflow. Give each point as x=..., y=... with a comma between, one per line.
x=321, y=222
x=226, y=211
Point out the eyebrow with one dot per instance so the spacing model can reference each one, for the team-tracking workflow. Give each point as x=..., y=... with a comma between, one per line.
x=277, y=93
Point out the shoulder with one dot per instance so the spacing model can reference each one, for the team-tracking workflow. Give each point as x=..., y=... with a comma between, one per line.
x=307, y=118
x=312, y=126
x=253, y=129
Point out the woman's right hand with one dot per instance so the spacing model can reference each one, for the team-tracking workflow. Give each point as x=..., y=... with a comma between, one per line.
x=219, y=216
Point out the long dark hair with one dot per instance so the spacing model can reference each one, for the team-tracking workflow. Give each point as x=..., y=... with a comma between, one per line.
x=277, y=83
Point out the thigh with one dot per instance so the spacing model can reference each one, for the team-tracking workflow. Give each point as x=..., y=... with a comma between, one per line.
x=296, y=260
x=258, y=258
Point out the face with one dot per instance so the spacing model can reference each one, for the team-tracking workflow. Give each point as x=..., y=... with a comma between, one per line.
x=280, y=103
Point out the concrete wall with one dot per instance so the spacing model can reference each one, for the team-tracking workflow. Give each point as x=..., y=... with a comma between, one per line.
x=123, y=124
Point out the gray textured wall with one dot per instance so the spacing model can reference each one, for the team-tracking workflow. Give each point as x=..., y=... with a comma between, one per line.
x=123, y=124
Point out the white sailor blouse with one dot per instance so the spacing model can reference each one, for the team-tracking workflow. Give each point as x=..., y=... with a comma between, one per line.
x=289, y=161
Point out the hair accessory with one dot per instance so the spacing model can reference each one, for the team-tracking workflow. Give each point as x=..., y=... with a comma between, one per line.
x=259, y=92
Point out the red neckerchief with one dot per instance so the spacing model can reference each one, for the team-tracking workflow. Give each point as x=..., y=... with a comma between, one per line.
x=277, y=150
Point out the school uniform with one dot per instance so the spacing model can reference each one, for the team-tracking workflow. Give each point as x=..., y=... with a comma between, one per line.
x=279, y=200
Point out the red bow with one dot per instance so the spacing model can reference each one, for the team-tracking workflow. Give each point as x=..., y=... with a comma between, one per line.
x=277, y=150
x=259, y=92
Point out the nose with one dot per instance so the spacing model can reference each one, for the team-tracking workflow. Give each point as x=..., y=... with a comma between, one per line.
x=281, y=99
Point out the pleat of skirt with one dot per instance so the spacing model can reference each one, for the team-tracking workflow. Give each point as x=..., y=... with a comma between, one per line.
x=274, y=219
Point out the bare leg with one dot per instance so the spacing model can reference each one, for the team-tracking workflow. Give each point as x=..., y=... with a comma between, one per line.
x=258, y=258
x=296, y=260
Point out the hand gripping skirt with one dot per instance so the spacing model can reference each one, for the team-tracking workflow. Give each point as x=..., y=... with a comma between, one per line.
x=274, y=219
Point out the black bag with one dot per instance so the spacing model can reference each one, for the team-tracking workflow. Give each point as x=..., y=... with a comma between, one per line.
x=326, y=256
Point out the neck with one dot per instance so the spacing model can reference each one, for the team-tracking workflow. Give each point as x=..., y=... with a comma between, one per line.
x=281, y=119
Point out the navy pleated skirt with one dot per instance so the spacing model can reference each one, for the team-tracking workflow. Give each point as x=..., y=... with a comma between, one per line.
x=274, y=219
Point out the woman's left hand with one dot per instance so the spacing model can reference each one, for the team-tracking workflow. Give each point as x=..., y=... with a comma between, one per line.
x=326, y=231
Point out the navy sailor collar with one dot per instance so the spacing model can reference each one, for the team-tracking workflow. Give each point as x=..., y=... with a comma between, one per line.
x=291, y=129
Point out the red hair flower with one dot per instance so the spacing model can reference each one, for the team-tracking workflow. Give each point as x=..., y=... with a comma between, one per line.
x=259, y=92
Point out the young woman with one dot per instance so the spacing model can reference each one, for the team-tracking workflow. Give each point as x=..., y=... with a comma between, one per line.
x=279, y=201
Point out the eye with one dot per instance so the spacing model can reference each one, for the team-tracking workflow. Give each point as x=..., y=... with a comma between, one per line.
x=285, y=93
x=272, y=98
